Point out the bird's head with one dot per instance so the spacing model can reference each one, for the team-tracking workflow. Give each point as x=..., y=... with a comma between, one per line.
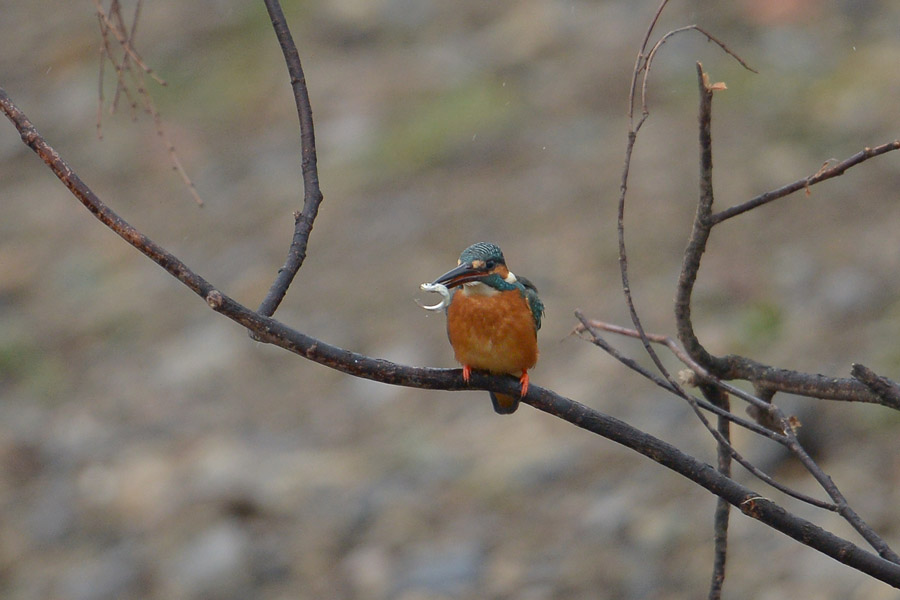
x=480, y=263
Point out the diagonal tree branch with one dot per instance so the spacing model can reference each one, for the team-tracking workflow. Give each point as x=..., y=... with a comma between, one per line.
x=275, y=332
x=801, y=184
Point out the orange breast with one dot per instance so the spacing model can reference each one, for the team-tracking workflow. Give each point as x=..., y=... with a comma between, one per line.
x=492, y=333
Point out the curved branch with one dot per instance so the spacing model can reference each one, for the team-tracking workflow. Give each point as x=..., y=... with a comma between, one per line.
x=643, y=63
x=312, y=195
x=697, y=241
x=275, y=332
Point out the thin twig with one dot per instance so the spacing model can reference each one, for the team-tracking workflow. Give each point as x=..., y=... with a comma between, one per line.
x=656, y=338
x=801, y=184
x=719, y=398
x=116, y=11
x=170, y=146
x=589, y=327
x=118, y=67
x=115, y=24
x=121, y=37
x=640, y=65
x=672, y=33
x=103, y=53
x=672, y=345
x=121, y=84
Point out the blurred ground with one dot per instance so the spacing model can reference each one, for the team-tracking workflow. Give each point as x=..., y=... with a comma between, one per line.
x=149, y=449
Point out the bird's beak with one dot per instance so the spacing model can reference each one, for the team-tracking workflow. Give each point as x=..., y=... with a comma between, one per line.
x=464, y=273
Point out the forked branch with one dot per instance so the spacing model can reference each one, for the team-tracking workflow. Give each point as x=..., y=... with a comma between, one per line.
x=732, y=366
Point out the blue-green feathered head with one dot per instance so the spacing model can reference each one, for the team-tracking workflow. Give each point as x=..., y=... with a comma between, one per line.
x=482, y=262
x=485, y=252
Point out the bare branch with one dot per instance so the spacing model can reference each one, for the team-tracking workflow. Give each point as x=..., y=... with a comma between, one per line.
x=698, y=238
x=801, y=184
x=312, y=195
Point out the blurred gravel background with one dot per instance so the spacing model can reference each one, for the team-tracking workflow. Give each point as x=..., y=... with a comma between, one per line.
x=149, y=449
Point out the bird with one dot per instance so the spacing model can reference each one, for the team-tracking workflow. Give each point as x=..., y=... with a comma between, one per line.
x=492, y=319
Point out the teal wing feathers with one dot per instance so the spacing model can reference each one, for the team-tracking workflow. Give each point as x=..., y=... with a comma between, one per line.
x=529, y=291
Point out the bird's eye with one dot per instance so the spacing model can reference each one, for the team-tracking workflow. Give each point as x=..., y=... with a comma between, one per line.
x=490, y=264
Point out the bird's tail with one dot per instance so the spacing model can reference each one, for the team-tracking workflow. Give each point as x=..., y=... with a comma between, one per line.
x=503, y=404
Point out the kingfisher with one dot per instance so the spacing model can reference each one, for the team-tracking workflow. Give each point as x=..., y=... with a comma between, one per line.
x=492, y=319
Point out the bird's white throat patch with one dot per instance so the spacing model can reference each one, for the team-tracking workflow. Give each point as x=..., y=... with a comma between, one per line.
x=476, y=288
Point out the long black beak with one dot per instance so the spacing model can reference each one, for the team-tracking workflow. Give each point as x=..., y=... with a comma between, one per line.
x=464, y=273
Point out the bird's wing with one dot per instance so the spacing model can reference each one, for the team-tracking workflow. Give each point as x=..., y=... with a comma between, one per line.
x=534, y=302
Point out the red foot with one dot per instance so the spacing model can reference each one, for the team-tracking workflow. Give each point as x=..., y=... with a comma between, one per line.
x=467, y=373
x=524, y=381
